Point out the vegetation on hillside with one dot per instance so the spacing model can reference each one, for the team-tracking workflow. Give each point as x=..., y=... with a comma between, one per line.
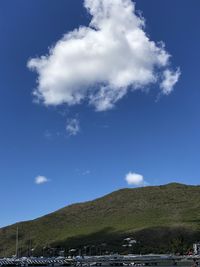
x=160, y=218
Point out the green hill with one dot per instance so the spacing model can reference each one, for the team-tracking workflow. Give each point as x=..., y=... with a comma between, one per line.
x=161, y=219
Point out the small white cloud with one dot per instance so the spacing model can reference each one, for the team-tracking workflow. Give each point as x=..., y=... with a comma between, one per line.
x=73, y=127
x=135, y=179
x=100, y=63
x=41, y=180
x=170, y=78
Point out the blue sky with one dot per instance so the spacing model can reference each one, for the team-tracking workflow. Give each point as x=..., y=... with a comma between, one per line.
x=83, y=153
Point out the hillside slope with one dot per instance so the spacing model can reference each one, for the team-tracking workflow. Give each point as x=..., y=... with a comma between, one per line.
x=161, y=218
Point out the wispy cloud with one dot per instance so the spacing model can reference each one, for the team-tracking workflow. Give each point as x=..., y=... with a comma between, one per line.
x=135, y=179
x=41, y=180
x=170, y=78
x=100, y=63
x=73, y=127
x=87, y=172
x=50, y=134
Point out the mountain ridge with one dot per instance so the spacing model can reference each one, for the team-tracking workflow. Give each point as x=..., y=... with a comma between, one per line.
x=170, y=210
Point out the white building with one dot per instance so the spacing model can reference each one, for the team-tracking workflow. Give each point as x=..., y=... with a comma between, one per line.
x=196, y=248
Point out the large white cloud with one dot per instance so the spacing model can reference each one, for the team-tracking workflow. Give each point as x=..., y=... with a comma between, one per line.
x=101, y=62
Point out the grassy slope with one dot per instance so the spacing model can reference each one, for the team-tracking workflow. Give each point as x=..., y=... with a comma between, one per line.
x=171, y=212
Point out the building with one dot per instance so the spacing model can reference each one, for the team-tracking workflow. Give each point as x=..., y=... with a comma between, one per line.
x=196, y=248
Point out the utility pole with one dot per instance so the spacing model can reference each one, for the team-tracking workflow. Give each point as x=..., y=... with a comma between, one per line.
x=17, y=242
